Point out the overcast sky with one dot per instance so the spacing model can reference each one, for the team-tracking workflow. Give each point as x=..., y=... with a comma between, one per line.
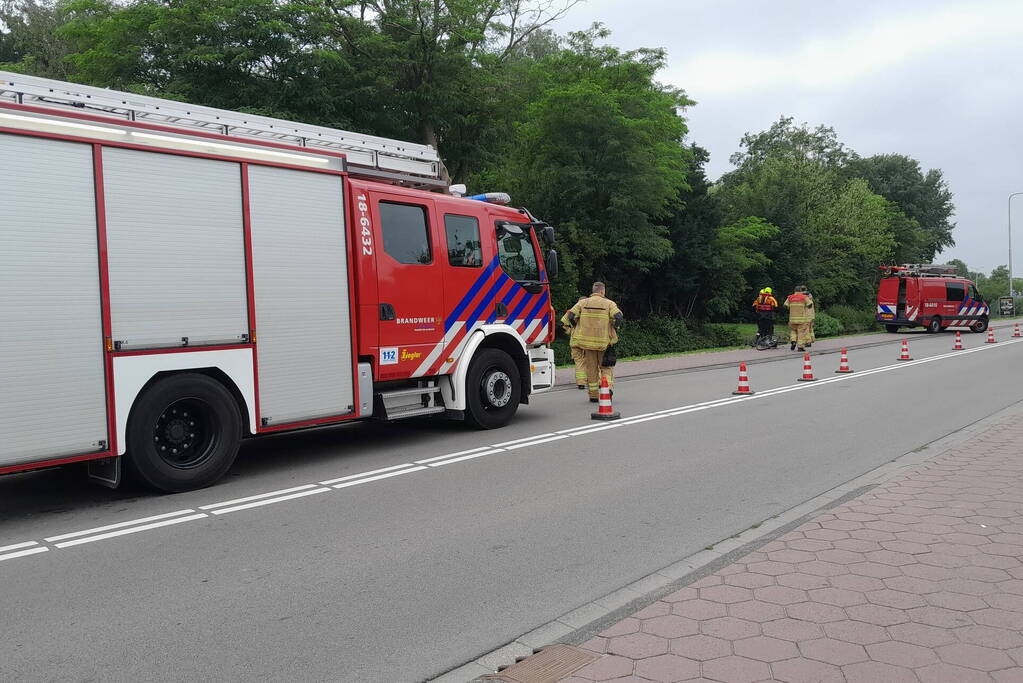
x=940, y=81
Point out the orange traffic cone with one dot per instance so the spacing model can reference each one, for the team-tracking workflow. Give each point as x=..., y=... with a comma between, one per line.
x=604, y=410
x=990, y=336
x=743, y=389
x=807, y=370
x=905, y=351
x=843, y=363
x=1015, y=331
x=958, y=346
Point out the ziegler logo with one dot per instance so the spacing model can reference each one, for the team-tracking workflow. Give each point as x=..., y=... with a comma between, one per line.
x=410, y=355
x=364, y=225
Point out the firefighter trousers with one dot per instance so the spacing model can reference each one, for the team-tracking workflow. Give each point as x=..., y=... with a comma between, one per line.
x=591, y=363
x=608, y=372
x=578, y=357
x=799, y=333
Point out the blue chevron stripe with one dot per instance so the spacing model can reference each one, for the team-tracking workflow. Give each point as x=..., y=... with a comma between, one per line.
x=536, y=309
x=471, y=294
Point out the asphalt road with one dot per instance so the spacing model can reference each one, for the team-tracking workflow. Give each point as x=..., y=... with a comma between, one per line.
x=404, y=577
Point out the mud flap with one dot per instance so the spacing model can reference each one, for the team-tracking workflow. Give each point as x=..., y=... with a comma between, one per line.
x=106, y=472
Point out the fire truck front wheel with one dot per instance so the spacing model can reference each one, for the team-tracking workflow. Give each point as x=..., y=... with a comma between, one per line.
x=493, y=388
x=980, y=325
x=183, y=433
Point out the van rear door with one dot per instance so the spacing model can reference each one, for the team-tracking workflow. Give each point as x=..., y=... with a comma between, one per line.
x=887, y=298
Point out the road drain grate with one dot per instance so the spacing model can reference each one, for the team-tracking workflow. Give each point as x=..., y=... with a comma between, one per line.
x=546, y=666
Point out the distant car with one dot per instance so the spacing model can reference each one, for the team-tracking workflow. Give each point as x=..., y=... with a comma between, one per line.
x=931, y=296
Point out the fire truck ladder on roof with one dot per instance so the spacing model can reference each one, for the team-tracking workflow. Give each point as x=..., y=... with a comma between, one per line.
x=389, y=160
x=923, y=270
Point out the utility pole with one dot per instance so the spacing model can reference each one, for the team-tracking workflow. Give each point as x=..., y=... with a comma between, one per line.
x=1011, y=293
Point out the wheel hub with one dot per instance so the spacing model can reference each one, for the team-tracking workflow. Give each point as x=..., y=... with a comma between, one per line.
x=497, y=388
x=180, y=436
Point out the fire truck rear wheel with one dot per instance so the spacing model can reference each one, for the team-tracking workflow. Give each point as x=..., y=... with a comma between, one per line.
x=934, y=325
x=183, y=433
x=980, y=325
x=891, y=328
x=493, y=388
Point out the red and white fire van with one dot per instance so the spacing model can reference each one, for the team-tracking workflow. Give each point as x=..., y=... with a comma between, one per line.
x=176, y=278
x=931, y=296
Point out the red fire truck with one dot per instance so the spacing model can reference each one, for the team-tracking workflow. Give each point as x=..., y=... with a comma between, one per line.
x=931, y=296
x=176, y=278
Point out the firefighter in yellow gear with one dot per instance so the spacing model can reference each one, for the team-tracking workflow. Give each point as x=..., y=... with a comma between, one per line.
x=800, y=315
x=594, y=320
x=811, y=336
x=577, y=353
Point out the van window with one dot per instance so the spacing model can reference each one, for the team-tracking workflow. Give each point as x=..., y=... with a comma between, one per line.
x=974, y=294
x=955, y=291
x=406, y=236
x=463, y=234
x=518, y=258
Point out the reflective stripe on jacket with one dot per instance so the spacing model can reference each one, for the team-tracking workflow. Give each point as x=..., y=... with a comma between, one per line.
x=800, y=308
x=594, y=323
x=765, y=303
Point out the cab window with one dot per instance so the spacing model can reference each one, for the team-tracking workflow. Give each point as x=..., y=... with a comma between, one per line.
x=463, y=235
x=406, y=235
x=517, y=257
x=974, y=294
x=955, y=291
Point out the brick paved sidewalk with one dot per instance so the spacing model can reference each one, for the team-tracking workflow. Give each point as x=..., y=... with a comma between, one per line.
x=920, y=579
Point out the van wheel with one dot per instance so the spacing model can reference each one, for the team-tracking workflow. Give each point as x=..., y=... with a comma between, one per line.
x=980, y=325
x=934, y=326
x=493, y=388
x=183, y=433
x=891, y=328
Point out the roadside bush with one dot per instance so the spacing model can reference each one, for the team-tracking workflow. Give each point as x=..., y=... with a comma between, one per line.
x=661, y=334
x=827, y=326
x=853, y=319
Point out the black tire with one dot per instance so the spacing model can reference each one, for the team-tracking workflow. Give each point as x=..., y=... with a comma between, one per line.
x=893, y=329
x=493, y=389
x=979, y=326
x=162, y=450
x=934, y=325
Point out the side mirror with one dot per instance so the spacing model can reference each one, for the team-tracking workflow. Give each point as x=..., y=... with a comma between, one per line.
x=551, y=262
x=548, y=235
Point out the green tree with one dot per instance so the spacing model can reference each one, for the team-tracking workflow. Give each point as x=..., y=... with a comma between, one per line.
x=784, y=139
x=29, y=39
x=849, y=236
x=923, y=197
x=598, y=152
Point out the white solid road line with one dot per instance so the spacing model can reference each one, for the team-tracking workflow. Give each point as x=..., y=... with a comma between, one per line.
x=489, y=451
x=132, y=530
x=236, y=501
x=18, y=546
x=119, y=525
x=528, y=438
x=416, y=468
x=451, y=455
x=270, y=501
x=552, y=437
x=24, y=553
x=262, y=499
x=360, y=475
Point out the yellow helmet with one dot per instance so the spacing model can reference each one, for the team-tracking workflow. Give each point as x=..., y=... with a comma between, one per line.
x=768, y=290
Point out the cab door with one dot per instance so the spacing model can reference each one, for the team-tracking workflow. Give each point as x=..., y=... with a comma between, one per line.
x=409, y=259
